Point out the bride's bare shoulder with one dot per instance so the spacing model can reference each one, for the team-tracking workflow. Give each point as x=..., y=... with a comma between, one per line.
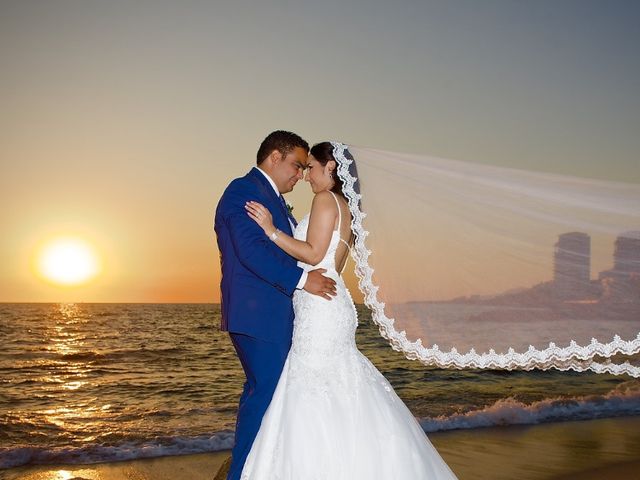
x=323, y=206
x=323, y=200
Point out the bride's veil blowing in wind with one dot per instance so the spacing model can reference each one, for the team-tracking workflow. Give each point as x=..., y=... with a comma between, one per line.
x=467, y=265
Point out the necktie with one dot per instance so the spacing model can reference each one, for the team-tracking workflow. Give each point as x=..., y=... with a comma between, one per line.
x=289, y=216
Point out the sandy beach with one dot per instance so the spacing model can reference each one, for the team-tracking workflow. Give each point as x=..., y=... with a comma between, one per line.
x=597, y=449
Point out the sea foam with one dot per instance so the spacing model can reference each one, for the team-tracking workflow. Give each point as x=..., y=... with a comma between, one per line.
x=14, y=457
x=622, y=401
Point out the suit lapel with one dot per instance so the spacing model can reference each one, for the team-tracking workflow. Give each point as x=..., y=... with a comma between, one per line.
x=280, y=218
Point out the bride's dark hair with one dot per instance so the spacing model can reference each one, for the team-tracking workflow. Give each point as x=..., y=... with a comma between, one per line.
x=323, y=153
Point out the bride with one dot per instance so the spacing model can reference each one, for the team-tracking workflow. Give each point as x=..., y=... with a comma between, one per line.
x=333, y=414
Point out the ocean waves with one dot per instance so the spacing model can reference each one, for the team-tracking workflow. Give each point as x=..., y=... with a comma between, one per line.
x=622, y=401
x=159, y=447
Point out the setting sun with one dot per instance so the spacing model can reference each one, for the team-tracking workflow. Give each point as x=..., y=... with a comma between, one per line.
x=67, y=261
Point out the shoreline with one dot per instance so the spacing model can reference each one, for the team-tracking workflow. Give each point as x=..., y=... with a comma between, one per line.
x=590, y=449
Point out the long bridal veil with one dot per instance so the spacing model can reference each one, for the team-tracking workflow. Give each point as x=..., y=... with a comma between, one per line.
x=474, y=266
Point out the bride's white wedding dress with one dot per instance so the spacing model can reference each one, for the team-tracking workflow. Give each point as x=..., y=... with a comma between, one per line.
x=333, y=414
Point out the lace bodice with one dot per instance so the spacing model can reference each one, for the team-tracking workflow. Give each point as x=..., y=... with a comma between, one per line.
x=323, y=328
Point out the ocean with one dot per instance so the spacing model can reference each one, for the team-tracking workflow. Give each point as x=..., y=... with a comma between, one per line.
x=85, y=383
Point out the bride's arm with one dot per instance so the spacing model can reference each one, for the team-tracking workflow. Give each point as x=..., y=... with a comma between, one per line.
x=321, y=221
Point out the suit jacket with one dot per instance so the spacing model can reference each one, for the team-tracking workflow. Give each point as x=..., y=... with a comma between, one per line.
x=258, y=278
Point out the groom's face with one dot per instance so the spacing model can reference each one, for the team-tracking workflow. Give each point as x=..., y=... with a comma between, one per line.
x=289, y=169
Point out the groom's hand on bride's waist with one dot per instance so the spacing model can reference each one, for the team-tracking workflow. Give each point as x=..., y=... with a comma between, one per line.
x=320, y=285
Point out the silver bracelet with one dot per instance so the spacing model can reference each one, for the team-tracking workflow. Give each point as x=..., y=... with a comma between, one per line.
x=274, y=236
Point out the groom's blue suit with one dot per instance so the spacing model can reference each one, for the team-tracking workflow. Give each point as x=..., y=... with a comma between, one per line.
x=258, y=280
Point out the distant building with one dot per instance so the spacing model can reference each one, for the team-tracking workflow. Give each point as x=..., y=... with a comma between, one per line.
x=626, y=257
x=572, y=266
x=622, y=282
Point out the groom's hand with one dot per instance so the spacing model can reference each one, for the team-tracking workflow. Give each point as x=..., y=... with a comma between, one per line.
x=320, y=285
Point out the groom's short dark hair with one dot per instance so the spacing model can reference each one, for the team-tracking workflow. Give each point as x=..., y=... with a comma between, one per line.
x=282, y=141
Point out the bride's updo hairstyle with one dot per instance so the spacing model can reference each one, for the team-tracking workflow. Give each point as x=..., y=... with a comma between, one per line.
x=323, y=153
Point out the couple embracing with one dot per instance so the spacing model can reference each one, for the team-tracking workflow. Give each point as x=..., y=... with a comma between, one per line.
x=313, y=407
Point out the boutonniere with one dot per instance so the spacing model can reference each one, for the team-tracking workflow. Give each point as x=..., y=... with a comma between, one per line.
x=289, y=207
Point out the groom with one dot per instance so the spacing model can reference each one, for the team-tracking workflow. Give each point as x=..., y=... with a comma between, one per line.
x=258, y=279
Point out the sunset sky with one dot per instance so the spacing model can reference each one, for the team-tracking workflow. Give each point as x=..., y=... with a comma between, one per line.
x=123, y=121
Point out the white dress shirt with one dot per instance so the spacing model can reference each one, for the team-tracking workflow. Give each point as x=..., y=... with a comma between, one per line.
x=303, y=277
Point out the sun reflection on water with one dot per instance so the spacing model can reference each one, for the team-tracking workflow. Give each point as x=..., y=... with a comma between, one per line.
x=81, y=474
x=69, y=310
x=69, y=372
x=73, y=385
x=64, y=339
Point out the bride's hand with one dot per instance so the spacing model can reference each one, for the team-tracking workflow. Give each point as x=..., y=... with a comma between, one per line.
x=261, y=216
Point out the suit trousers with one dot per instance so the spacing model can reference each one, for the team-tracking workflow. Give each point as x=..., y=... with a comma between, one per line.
x=262, y=362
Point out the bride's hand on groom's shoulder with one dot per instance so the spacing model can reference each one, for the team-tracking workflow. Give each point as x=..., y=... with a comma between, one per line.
x=320, y=285
x=261, y=215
